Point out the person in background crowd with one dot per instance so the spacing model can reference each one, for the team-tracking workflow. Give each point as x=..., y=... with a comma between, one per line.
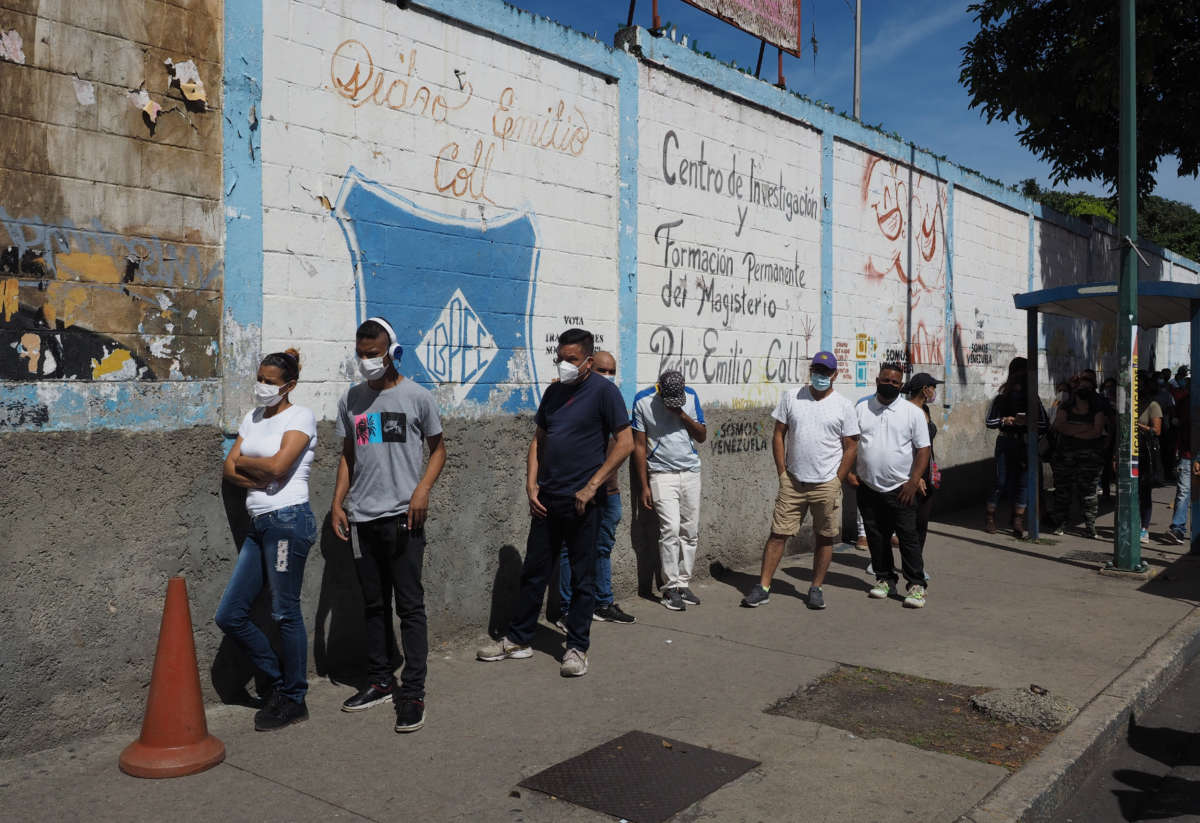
x=1149, y=425
x=568, y=466
x=1007, y=413
x=814, y=446
x=272, y=458
x=380, y=503
x=893, y=455
x=1078, y=455
x=1108, y=393
x=609, y=504
x=921, y=390
x=1170, y=431
x=667, y=422
x=1178, y=531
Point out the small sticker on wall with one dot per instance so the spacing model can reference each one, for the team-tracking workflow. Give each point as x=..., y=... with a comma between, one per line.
x=281, y=556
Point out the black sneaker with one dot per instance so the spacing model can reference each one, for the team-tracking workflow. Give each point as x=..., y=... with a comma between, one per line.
x=372, y=695
x=689, y=596
x=816, y=598
x=612, y=613
x=673, y=600
x=410, y=714
x=279, y=712
x=1174, y=536
x=758, y=596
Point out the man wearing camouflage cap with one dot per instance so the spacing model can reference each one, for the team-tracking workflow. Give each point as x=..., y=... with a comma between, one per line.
x=667, y=422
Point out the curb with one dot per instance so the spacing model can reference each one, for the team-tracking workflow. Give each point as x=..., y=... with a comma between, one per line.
x=1035, y=793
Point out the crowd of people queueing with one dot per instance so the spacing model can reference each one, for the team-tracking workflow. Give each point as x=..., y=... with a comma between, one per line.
x=1077, y=440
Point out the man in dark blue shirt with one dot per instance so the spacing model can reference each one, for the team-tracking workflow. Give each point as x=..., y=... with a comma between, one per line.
x=567, y=466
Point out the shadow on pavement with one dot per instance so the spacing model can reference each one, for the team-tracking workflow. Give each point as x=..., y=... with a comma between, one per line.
x=1157, y=798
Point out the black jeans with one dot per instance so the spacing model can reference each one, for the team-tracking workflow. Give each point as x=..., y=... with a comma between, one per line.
x=884, y=515
x=546, y=536
x=388, y=557
x=924, y=509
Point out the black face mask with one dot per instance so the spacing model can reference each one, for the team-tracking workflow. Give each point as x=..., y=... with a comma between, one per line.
x=1085, y=394
x=887, y=391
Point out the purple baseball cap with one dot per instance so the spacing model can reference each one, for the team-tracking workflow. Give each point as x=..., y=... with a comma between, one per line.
x=826, y=359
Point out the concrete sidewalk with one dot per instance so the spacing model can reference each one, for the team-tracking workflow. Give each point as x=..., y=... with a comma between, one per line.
x=1001, y=613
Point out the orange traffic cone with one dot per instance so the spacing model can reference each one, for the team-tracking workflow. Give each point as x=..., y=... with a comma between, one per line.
x=175, y=739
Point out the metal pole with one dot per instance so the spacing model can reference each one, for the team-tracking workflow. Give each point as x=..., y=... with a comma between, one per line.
x=858, y=60
x=656, y=28
x=782, y=83
x=1033, y=465
x=632, y=6
x=762, y=46
x=1194, y=410
x=1127, y=552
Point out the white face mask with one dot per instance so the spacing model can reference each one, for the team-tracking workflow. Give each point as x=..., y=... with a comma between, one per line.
x=267, y=395
x=567, y=372
x=372, y=368
x=611, y=378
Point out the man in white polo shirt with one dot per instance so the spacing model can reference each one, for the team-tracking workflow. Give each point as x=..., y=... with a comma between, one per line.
x=816, y=434
x=893, y=452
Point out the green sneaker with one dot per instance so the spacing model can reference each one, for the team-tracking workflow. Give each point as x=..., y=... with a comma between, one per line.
x=915, y=598
x=881, y=589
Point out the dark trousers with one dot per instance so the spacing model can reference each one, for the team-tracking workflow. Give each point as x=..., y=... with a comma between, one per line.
x=561, y=525
x=388, y=558
x=884, y=515
x=924, y=509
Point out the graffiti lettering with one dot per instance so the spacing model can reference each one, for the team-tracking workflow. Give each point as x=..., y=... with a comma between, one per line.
x=732, y=303
x=787, y=362
x=465, y=181
x=731, y=369
x=736, y=438
x=777, y=196
x=694, y=258
x=773, y=272
x=662, y=343
x=356, y=78
x=543, y=131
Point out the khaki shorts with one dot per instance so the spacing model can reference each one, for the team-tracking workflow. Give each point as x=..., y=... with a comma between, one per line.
x=796, y=499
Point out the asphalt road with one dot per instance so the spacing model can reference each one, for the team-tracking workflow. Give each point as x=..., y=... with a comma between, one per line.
x=1154, y=773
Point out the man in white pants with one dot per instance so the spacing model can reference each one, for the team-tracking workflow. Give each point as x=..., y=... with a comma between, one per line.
x=667, y=421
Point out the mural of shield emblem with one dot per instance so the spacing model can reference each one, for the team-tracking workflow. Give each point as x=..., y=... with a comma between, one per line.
x=458, y=292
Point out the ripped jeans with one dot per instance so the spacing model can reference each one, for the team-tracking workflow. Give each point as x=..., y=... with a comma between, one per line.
x=273, y=553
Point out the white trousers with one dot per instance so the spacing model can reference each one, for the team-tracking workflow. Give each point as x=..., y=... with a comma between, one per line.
x=677, y=504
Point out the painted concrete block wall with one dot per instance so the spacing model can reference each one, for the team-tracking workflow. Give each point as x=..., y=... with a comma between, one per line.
x=729, y=236
x=110, y=228
x=890, y=262
x=458, y=184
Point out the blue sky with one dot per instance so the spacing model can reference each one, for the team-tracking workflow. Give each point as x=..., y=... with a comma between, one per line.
x=910, y=75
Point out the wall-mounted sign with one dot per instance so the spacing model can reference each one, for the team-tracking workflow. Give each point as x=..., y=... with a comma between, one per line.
x=776, y=21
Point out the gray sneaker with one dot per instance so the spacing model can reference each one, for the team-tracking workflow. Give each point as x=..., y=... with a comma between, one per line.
x=503, y=649
x=689, y=596
x=673, y=600
x=816, y=598
x=758, y=596
x=574, y=664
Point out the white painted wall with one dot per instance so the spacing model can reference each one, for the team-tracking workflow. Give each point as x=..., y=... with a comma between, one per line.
x=729, y=260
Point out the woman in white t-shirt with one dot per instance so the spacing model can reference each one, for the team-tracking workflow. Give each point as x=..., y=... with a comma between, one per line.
x=271, y=458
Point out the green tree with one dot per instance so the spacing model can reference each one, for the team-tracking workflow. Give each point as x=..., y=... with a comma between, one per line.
x=1167, y=223
x=1052, y=66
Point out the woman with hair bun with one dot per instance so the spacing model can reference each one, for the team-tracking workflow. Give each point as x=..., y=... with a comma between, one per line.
x=271, y=458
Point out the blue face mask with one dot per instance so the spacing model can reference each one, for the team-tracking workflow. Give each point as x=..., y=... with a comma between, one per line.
x=821, y=382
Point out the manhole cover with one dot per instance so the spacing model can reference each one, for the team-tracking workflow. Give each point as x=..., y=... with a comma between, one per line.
x=640, y=777
x=1099, y=558
x=928, y=714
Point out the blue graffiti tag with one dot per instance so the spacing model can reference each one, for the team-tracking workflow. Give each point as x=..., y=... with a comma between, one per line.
x=458, y=292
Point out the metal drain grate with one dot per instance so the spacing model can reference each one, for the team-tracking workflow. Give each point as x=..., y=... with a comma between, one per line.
x=640, y=777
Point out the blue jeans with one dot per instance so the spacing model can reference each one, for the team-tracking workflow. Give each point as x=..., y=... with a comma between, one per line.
x=610, y=515
x=1183, y=496
x=273, y=553
x=1011, y=475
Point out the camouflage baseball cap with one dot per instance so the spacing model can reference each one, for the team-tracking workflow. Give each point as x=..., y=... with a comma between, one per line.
x=671, y=389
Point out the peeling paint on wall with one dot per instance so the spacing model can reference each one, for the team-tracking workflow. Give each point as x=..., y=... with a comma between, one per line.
x=11, y=47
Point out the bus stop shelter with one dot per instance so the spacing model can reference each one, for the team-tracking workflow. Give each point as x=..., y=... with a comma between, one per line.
x=1159, y=303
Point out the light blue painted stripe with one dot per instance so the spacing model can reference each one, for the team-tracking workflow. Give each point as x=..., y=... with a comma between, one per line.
x=1032, y=232
x=627, y=224
x=133, y=405
x=826, y=241
x=242, y=162
x=948, y=234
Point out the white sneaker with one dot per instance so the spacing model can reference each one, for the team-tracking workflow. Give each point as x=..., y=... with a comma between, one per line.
x=503, y=649
x=880, y=590
x=915, y=598
x=574, y=664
